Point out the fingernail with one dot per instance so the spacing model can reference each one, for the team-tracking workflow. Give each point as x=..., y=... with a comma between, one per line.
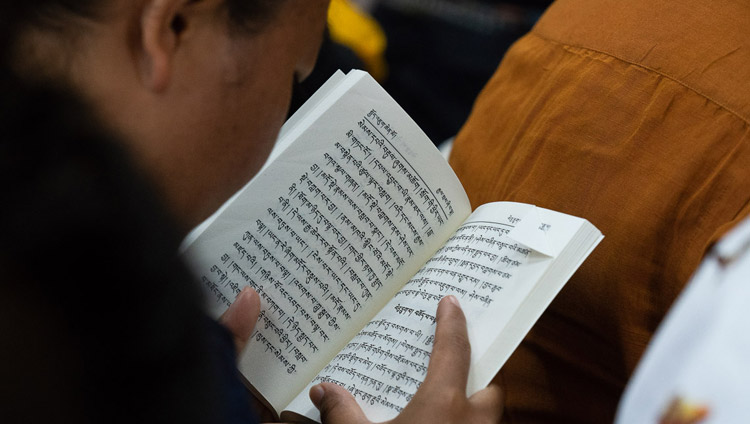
x=452, y=299
x=244, y=292
x=234, y=308
x=247, y=293
x=316, y=395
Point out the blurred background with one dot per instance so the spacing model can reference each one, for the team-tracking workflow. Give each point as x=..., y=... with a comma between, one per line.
x=432, y=56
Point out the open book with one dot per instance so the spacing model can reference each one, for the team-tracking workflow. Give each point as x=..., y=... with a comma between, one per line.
x=352, y=234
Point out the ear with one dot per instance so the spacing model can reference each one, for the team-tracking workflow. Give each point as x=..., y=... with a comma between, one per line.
x=161, y=24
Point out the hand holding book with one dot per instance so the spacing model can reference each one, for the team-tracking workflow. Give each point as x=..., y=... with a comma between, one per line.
x=352, y=234
x=241, y=317
x=442, y=396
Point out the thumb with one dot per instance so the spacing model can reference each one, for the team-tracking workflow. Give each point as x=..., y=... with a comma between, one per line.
x=336, y=405
x=241, y=316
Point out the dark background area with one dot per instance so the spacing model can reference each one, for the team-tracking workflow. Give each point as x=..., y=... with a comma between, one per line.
x=440, y=53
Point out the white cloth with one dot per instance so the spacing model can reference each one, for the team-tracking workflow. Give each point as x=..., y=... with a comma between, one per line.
x=697, y=367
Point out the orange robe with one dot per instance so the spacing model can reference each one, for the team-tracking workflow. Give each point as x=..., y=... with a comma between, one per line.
x=634, y=115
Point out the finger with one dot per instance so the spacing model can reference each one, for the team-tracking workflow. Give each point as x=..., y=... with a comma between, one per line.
x=489, y=402
x=241, y=316
x=451, y=353
x=336, y=405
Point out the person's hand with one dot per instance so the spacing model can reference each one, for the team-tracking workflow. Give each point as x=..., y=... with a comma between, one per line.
x=442, y=396
x=240, y=320
x=241, y=317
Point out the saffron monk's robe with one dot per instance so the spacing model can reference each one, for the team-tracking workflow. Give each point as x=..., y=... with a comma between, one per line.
x=633, y=114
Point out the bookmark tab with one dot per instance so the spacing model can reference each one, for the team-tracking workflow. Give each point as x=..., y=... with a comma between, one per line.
x=532, y=233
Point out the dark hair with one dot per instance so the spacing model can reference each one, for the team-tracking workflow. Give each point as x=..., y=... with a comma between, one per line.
x=241, y=12
x=244, y=15
x=102, y=322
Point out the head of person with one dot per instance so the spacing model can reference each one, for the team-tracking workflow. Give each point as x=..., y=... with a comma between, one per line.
x=197, y=88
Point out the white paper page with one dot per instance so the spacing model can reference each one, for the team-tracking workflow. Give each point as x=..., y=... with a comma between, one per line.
x=571, y=240
x=491, y=275
x=328, y=88
x=328, y=233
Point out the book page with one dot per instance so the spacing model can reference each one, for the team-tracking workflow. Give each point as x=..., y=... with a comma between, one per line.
x=490, y=274
x=328, y=233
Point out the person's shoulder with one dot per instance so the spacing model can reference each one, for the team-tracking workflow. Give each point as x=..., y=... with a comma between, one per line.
x=694, y=366
x=692, y=42
x=86, y=237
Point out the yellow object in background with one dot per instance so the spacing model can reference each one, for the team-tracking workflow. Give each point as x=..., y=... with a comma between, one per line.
x=351, y=26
